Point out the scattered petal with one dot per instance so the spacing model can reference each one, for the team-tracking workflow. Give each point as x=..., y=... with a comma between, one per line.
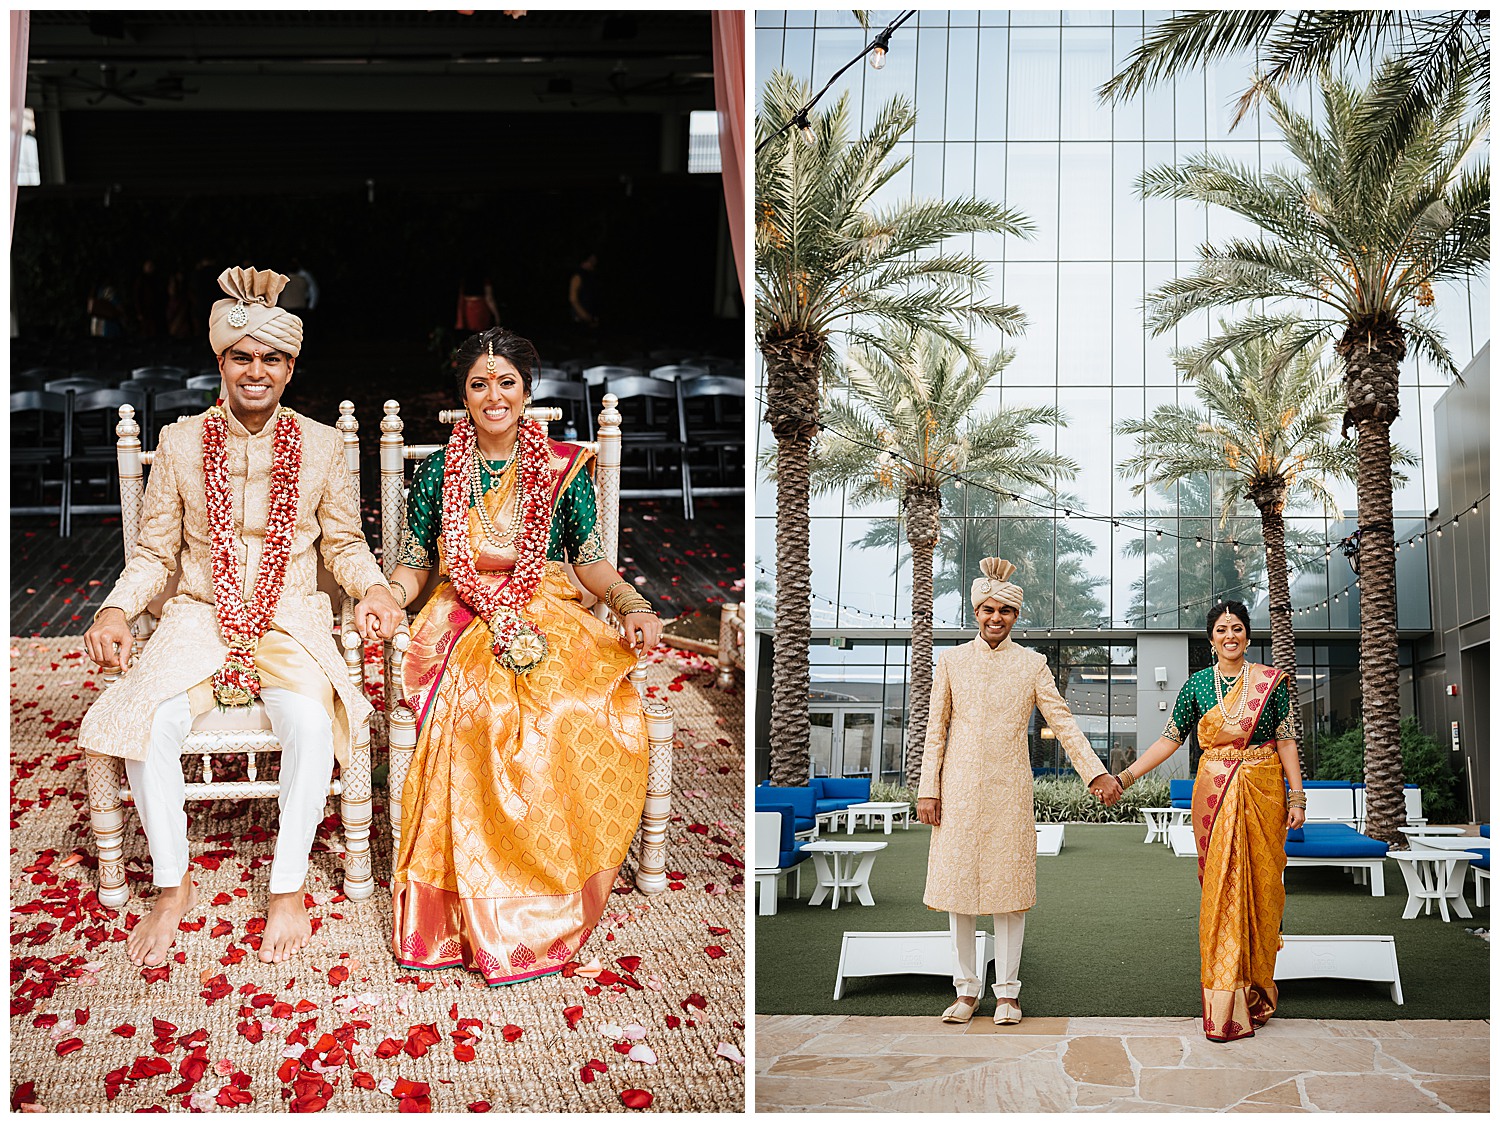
x=643, y=1053
x=725, y=1049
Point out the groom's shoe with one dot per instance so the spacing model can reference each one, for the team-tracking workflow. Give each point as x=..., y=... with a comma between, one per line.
x=1007, y=1012
x=959, y=1012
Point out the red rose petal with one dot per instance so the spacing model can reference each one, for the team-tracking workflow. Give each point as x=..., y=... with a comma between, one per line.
x=714, y=951
x=636, y=1098
x=480, y=1105
x=511, y=1033
x=126, y=1030
x=69, y=1045
x=574, y=1014
x=463, y=1052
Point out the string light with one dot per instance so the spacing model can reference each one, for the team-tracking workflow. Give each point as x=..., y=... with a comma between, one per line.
x=877, y=50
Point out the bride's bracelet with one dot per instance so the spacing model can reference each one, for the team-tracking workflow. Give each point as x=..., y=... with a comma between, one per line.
x=1126, y=778
x=626, y=601
x=1297, y=798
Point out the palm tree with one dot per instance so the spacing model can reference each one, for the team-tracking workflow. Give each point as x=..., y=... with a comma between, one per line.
x=1440, y=50
x=1354, y=236
x=828, y=259
x=907, y=426
x=1271, y=425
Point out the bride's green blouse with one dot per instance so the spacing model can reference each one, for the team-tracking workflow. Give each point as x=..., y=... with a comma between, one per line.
x=574, y=538
x=1198, y=696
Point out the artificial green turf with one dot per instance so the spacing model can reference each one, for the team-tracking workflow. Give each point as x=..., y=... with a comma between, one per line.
x=1115, y=934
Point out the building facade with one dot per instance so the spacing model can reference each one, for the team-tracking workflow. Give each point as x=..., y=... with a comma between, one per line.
x=1117, y=583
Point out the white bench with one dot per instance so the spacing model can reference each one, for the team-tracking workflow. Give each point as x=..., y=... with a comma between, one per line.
x=1049, y=839
x=1367, y=958
x=906, y=953
x=1180, y=839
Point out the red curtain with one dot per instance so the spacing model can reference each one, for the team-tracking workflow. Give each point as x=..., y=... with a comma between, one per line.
x=729, y=100
x=20, y=36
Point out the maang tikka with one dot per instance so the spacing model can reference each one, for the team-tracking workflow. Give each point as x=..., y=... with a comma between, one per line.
x=489, y=364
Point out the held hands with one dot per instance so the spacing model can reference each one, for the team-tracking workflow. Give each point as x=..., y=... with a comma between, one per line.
x=378, y=615
x=111, y=631
x=930, y=811
x=642, y=631
x=1107, y=788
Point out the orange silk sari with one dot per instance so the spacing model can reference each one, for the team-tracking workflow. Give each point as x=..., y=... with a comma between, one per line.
x=525, y=791
x=1239, y=825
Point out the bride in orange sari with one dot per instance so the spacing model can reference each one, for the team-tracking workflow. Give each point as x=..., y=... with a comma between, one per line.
x=529, y=774
x=1241, y=814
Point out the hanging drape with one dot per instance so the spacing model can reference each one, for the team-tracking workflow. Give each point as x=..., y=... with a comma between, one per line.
x=20, y=37
x=729, y=100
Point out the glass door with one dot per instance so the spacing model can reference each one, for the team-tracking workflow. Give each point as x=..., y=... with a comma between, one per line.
x=845, y=739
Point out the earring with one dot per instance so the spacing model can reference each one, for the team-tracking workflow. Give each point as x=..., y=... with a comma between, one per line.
x=489, y=364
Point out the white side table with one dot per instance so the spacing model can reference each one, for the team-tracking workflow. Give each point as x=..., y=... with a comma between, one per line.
x=1431, y=832
x=1370, y=958
x=1435, y=874
x=887, y=811
x=1159, y=819
x=843, y=867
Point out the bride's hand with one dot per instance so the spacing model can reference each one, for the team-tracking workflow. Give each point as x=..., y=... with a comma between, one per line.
x=642, y=631
x=1295, y=817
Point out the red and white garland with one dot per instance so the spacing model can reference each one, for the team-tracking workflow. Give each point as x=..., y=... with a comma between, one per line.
x=242, y=622
x=518, y=643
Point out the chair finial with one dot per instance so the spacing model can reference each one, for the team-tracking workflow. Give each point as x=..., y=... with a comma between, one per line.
x=391, y=422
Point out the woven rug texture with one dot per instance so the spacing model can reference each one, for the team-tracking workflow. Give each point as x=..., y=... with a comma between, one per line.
x=650, y=1016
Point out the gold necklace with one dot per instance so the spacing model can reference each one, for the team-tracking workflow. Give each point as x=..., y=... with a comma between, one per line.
x=498, y=538
x=1219, y=687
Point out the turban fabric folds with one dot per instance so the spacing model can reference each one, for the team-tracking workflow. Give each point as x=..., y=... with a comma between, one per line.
x=996, y=584
x=251, y=310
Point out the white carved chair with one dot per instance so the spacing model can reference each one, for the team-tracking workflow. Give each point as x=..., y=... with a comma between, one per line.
x=401, y=721
x=245, y=732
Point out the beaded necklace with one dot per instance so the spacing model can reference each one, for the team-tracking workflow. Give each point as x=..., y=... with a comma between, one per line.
x=492, y=532
x=1221, y=684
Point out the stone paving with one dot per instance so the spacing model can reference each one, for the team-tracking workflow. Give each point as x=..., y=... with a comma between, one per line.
x=857, y=1064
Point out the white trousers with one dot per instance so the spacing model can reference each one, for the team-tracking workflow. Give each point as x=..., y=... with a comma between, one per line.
x=306, y=735
x=1010, y=930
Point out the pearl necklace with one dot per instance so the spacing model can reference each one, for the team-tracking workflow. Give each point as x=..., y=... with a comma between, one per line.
x=1221, y=684
x=492, y=532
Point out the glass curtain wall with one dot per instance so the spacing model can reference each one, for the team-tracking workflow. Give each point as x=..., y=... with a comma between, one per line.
x=1006, y=110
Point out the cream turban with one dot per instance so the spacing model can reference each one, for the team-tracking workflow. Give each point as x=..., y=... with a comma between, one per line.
x=996, y=584
x=251, y=310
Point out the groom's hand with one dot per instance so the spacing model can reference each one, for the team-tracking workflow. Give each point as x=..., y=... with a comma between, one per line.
x=378, y=615
x=1107, y=788
x=930, y=811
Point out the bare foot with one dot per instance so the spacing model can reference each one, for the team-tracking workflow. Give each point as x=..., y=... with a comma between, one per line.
x=288, y=929
x=149, y=941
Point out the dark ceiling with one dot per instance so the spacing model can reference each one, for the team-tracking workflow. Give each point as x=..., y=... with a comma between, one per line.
x=362, y=61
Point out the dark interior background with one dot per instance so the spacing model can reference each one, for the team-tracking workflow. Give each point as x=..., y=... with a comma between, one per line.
x=390, y=152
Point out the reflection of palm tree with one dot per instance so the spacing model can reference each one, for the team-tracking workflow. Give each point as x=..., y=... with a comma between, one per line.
x=1265, y=432
x=907, y=425
x=1048, y=553
x=1372, y=211
x=826, y=260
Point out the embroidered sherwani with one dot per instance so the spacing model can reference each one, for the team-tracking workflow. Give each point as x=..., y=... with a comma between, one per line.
x=186, y=649
x=982, y=858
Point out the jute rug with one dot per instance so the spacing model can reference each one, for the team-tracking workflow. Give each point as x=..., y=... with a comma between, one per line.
x=656, y=1022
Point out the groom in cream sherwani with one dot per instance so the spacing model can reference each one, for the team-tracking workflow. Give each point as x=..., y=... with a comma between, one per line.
x=976, y=787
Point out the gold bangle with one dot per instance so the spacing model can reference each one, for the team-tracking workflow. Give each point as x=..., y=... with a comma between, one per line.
x=1126, y=778
x=405, y=596
x=618, y=581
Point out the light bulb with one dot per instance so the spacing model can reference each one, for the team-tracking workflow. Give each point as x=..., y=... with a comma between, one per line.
x=877, y=59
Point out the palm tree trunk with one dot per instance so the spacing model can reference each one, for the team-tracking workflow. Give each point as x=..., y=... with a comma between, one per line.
x=792, y=365
x=1372, y=354
x=922, y=505
x=1283, y=636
